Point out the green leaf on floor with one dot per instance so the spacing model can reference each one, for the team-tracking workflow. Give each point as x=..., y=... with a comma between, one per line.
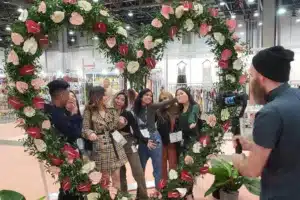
x=10, y=195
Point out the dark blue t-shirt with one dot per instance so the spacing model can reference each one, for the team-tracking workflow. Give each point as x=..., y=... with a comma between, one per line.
x=277, y=127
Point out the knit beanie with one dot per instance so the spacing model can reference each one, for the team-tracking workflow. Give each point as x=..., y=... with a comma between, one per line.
x=274, y=63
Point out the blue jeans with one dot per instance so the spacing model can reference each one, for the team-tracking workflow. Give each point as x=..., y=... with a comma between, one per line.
x=155, y=155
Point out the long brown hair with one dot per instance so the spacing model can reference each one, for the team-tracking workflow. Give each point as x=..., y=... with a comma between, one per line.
x=95, y=96
x=166, y=113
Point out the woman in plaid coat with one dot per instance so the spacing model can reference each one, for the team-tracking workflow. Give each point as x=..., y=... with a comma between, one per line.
x=99, y=122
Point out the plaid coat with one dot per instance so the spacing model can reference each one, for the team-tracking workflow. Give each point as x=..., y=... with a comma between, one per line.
x=107, y=157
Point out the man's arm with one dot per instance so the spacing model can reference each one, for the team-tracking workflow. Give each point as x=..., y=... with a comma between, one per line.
x=69, y=126
x=266, y=132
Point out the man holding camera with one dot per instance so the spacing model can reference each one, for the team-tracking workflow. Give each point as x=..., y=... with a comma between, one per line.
x=276, y=135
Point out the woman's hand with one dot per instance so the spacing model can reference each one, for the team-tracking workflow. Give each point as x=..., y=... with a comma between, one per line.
x=72, y=107
x=151, y=144
x=122, y=122
x=92, y=137
x=193, y=125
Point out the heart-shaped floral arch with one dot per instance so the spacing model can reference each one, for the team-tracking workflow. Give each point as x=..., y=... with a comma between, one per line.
x=135, y=61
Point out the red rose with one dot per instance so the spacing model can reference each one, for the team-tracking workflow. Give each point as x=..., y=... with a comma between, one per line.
x=43, y=41
x=56, y=161
x=27, y=70
x=223, y=64
x=70, y=153
x=204, y=169
x=172, y=32
x=187, y=5
x=32, y=26
x=104, y=183
x=123, y=49
x=38, y=102
x=34, y=132
x=83, y=187
x=173, y=195
x=15, y=102
x=66, y=184
x=100, y=27
x=151, y=63
x=204, y=140
x=185, y=176
x=162, y=184
x=226, y=126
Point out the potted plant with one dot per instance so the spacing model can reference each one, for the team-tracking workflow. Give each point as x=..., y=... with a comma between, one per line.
x=228, y=181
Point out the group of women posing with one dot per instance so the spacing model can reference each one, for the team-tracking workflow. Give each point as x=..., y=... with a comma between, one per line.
x=151, y=130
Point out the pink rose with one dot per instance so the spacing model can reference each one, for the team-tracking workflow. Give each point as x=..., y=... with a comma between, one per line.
x=13, y=58
x=20, y=122
x=22, y=87
x=148, y=43
x=213, y=12
x=204, y=29
x=226, y=54
x=211, y=120
x=42, y=7
x=113, y=192
x=235, y=37
x=231, y=24
x=111, y=42
x=238, y=47
x=156, y=23
x=120, y=66
x=16, y=38
x=70, y=1
x=46, y=125
x=76, y=19
x=139, y=53
x=187, y=5
x=95, y=177
x=243, y=79
x=37, y=83
x=166, y=10
x=223, y=64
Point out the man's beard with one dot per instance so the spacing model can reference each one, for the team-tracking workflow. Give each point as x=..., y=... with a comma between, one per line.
x=258, y=93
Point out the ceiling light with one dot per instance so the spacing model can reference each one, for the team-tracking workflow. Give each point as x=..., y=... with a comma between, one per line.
x=222, y=3
x=71, y=32
x=1, y=39
x=260, y=23
x=130, y=14
x=96, y=1
x=242, y=33
x=281, y=11
x=233, y=16
x=240, y=25
x=72, y=40
x=8, y=28
x=298, y=20
x=127, y=27
x=20, y=10
x=95, y=38
x=256, y=14
x=251, y=1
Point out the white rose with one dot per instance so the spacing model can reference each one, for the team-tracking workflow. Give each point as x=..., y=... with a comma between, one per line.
x=93, y=196
x=88, y=167
x=84, y=5
x=225, y=114
x=104, y=13
x=182, y=191
x=30, y=45
x=219, y=37
x=173, y=174
x=58, y=16
x=122, y=31
x=188, y=25
x=230, y=78
x=157, y=42
x=197, y=147
x=40, y=145
x=237, y=64
x=23, y=16
x=29, y=111
x=133, y=66
x=198, y=8
x=179, y=11
x=124, y=198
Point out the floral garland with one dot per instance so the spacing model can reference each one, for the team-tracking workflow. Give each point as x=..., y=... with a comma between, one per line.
x=30, y=36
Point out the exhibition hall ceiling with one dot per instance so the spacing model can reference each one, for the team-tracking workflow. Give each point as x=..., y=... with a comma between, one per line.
x=135, y=13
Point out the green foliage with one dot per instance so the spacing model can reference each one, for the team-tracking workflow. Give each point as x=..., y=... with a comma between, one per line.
x=10, y=195
x=228, y=179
